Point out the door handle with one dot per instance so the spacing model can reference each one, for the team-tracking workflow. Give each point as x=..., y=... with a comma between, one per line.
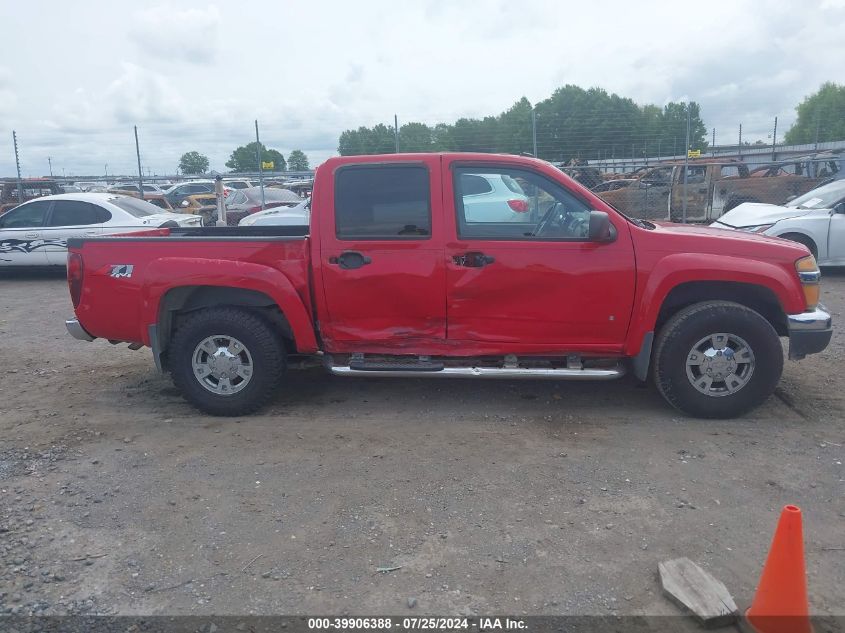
x=30, y=235
x=350, y=260
x=90, y=233
x=473, y=259
x=703, y=190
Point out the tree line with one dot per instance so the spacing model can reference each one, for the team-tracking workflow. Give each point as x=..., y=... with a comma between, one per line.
x=574, y=123
x=245, y=159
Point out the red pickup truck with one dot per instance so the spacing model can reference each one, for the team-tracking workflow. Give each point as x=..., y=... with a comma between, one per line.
x=455, y=265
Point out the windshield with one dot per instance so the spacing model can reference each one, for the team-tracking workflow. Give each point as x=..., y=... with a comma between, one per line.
x=134, y=206
x=824, y=197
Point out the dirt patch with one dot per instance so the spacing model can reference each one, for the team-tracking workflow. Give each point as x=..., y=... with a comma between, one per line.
x=524, y=498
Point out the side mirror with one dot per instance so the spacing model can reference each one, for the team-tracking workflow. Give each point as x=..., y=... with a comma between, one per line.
x=599, y=227
x=839, y=208
x=185, y=204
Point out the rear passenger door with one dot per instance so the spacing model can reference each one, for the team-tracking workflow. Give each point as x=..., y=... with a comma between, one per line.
x=21, y=238
x=71, y=218
x=381, y=256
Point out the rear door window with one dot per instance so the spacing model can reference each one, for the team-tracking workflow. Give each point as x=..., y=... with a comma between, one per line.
x=382, y=202
x=27, y=216
x=76, y=213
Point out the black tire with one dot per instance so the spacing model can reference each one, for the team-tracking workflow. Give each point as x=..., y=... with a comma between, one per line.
x=803, y=239
x=688, y=328
x=735, y=202
x=264, y=348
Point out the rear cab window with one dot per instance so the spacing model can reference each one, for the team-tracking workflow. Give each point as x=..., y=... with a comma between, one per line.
x=382, y=202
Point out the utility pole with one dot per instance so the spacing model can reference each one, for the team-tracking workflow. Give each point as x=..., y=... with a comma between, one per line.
x=534, y=129
x=260, y=172
x=50, y=163
x=774, y=138
x=18, y=165
x=740, y=140
x=396, y=132
x=140, y=173
x=817, y=130
x=686, y=168
x=106, y=172
x=713, y=144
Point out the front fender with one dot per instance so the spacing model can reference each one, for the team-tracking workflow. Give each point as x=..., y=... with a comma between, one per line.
x=197, y=271
x=679, y=268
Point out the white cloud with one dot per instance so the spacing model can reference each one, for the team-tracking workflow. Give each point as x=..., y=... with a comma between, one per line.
x=195, y=75
x=172, y=34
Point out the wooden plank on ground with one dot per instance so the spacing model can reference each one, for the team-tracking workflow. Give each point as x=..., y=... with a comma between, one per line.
x=693, y=588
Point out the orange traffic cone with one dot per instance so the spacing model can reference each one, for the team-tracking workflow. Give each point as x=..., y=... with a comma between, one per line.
x=780, y=604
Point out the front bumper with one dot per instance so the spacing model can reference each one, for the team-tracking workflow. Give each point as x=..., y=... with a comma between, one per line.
x=809, y=332
x=77, y=331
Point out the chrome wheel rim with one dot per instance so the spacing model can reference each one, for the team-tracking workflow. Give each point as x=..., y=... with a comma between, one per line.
x=222, y=364
x=720, y=364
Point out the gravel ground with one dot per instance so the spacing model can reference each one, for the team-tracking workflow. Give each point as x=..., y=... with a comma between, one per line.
x=116, y=497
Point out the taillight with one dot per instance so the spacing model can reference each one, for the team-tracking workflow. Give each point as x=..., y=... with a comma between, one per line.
x=520, y=206
x=255, y=209
x=75, y=271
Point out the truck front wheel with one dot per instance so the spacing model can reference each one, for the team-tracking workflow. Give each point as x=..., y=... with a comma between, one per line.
x=717, y=359
x=226, y=361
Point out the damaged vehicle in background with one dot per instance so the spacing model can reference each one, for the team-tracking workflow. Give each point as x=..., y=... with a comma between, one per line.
x=711, y=188
x=816, y=220
x=36, y=232
x=201, y=204
x=32, y=188
x=243, y=202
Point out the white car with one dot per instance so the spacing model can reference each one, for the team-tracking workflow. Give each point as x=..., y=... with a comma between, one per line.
x=493, y=198
x=816, y=219
x=36, y=232
x=237, y=184
x=133, y=186
x=299, y=215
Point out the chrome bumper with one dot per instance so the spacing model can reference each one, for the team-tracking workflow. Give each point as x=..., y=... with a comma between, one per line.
x=809, y=332
x=77, y=331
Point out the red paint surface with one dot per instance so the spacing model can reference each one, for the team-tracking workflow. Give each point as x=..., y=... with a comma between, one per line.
x=538, y=298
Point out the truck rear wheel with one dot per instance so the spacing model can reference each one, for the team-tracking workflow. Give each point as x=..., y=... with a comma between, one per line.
x=717, y=360
x=226, y=361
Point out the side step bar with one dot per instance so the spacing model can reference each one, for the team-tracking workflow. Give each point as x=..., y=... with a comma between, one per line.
x=485, y=372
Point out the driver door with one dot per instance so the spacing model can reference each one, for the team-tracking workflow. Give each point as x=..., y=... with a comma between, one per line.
x=520, y=271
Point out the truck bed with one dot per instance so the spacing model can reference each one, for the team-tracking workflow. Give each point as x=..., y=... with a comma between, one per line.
x=127, y=279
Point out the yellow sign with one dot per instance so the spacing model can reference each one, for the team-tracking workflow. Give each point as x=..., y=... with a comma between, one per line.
x=267, y=165
x=694, y=153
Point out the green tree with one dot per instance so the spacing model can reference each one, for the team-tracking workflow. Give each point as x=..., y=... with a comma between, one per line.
x=378, y=140
x=193, y=163
x=415, y=137
x=821, y=116
x=572, y=123
x=513, y=129
x=245, y=158
x=297, y=161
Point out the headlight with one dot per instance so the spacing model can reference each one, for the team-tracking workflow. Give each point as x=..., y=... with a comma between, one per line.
x=809, y=274
x=759, y=228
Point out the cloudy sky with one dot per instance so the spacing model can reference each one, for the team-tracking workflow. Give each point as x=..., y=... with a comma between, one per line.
x=76, y=76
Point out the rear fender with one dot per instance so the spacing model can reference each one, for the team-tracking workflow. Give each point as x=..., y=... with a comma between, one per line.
x=159, y=280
